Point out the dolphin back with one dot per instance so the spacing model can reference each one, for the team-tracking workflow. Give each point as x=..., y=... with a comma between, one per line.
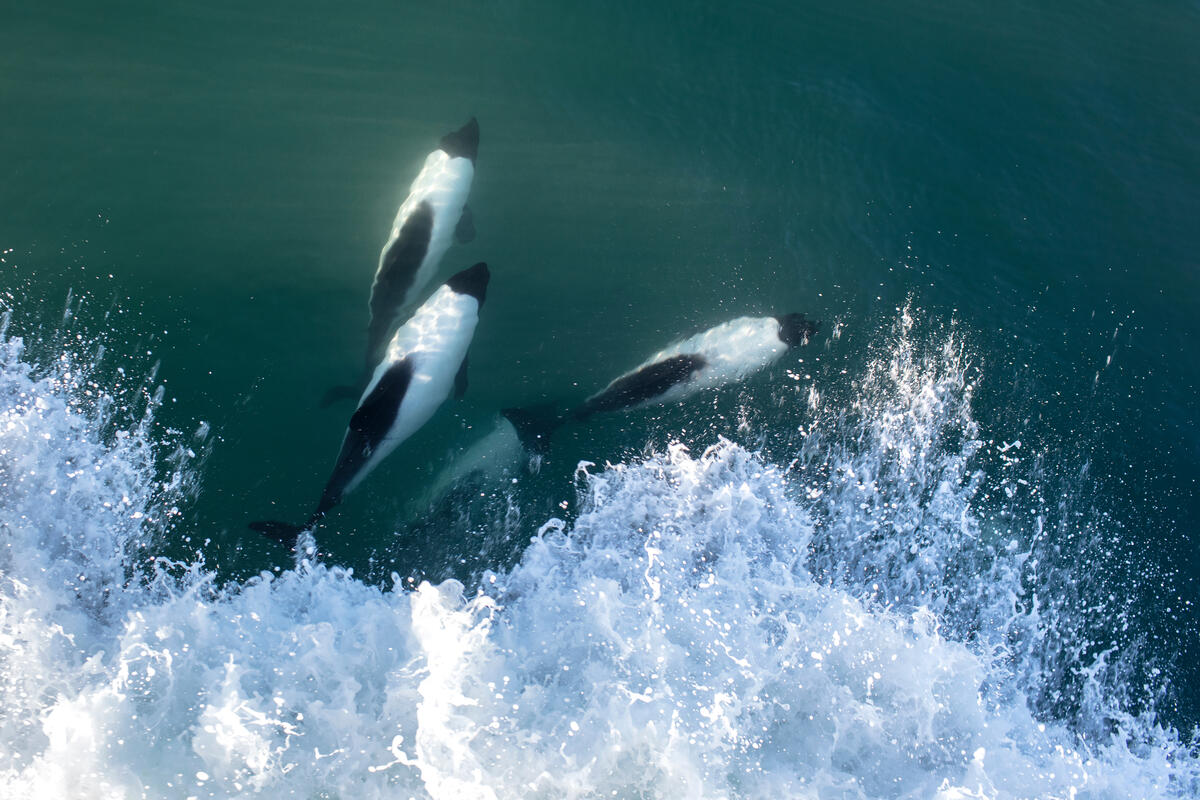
x=399, y=264
x=645, y=384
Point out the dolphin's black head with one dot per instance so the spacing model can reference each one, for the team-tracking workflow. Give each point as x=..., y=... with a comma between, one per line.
x=794, y=329
x=472, y=281
x=462, y=143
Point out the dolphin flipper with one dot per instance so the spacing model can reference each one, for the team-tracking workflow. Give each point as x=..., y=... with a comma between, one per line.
x=464, y=231
x=460, y=381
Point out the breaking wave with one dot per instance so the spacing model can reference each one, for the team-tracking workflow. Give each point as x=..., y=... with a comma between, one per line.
x=869, y=619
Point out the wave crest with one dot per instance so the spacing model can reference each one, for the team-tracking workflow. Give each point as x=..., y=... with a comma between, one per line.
x=707, y=626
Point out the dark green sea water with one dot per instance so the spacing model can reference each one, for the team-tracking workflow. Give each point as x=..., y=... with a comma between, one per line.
x=225, y=173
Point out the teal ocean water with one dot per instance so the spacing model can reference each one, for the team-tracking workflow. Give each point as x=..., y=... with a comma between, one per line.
x=947, y=549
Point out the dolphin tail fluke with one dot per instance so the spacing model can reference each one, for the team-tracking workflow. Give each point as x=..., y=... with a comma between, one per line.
x=534, y=424
x=283, y=532
x=286, y=533
x=337, y=394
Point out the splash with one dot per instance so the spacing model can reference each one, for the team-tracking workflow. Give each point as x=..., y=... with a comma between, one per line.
x=710, y=625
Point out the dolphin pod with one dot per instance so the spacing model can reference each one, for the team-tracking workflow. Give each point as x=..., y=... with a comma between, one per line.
x=409, y=371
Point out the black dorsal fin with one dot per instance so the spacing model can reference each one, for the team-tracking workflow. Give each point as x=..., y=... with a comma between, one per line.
x=375, y=414
x=400, y=261
x=398, y=267
x=796, y=329
x=647, y=383
x=464, y=231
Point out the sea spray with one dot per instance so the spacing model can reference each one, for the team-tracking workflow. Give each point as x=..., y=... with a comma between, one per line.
x=1008, y=542
x=87, y=488
x=692, y=632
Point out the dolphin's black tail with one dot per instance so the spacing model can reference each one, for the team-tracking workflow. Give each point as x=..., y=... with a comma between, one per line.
x=534, y=425
x=283, y=532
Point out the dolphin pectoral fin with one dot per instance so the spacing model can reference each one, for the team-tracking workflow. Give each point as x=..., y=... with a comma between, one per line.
x=460, y=381
x=283, y=532
x=338, y=393
x=464, y=231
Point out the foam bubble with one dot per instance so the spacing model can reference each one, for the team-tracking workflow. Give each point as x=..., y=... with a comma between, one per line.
x=691, y=634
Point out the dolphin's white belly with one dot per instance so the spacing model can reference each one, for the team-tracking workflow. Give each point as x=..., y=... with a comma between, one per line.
x=443, y=183
x=435, y=342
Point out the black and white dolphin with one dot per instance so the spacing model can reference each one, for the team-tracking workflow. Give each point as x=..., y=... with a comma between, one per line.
x=434, y=213
x=426, y=359
x=425, y=224
x=719, y=356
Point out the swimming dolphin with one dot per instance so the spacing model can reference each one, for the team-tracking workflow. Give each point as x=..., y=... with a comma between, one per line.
x=498, y=454
x=719, y=356
x=426, y=359
x=434, y=212
x=489, y=459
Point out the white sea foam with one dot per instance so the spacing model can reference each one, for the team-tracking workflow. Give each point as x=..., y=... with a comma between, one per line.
x=671, y=642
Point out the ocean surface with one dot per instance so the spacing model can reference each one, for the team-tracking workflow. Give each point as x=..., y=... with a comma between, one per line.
x=949, y=549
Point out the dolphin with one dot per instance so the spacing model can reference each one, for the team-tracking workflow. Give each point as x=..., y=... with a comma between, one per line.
x=714, y=358
x=425, y=361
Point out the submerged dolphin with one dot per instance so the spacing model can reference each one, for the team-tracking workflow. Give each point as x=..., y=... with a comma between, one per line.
x=425, y=360
x=434, y=212
x=722, y=355
x=496, y=455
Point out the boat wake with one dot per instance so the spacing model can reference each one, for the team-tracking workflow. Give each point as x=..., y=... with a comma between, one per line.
x=870, y=619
